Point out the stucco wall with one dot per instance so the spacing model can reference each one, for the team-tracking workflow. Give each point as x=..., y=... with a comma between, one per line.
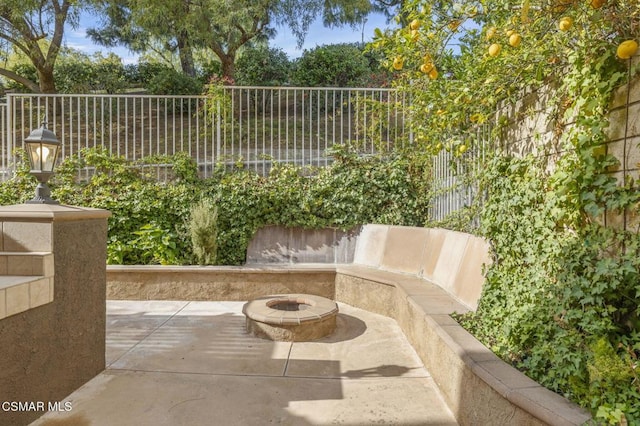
x=279, y=244
x=49, y=351
x=532, y=129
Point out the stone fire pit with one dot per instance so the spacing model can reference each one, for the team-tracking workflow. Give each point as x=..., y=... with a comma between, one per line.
x=291, y=317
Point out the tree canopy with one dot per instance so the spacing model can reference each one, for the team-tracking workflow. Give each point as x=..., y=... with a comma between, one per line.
x=35, y=29
x=219, y=27
x=192, y=31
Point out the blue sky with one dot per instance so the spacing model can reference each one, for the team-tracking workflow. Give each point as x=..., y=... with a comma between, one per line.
x=318, y=35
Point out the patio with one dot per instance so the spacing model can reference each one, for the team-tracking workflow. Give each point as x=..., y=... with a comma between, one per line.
x=192, y=363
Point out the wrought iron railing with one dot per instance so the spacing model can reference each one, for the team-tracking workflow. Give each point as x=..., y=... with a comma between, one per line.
x=254, y=126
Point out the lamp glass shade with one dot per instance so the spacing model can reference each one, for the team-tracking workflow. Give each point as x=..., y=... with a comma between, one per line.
x=42, y=156
x=42, y=147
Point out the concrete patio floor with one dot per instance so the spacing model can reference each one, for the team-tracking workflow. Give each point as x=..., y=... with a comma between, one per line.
x=192, y=363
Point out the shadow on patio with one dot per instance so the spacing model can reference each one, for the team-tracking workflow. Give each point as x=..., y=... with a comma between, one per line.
x=192, y=363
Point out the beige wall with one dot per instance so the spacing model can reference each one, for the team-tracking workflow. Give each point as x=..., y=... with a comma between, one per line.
x=531, y=130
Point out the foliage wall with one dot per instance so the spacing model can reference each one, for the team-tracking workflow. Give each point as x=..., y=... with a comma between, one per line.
x=561, y=298
x=150, y=221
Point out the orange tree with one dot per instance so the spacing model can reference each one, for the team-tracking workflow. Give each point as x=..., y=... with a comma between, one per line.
x=561, y=298
x=465, y=57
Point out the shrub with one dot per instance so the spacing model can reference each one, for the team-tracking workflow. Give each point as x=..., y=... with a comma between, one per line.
x=336, y=65
x=560, y=300
x=79, y=73
x=174, y=222
x=142, y=73
x=351, y=191
x=109, y=74
x=149, y=218
x=171, y=82
x=262, y=66
x=203, y=230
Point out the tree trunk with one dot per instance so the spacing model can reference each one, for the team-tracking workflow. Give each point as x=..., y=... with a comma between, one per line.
x=186, y=54
x=47, y=82
x=228, y=65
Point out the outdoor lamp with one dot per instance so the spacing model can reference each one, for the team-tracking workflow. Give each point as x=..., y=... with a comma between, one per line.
x=42, y=147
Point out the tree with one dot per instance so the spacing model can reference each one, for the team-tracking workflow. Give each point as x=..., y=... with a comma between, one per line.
x=35, y=28
x=141, y=25
x=221, y=27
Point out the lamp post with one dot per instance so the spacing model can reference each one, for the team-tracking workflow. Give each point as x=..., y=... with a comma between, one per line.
x=42, y=147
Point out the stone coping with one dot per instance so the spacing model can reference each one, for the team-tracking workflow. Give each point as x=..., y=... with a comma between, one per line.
x=241, y=270
x=19, y=293
x=53, y=212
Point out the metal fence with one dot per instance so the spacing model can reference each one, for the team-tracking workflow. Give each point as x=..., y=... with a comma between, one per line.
x=254, y=126
x=456, y=178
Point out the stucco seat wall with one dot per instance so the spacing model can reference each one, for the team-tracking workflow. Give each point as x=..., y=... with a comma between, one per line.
x=222, y=283
x=419, y=277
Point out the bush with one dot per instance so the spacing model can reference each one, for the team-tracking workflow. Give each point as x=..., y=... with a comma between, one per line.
x=336, y=65
x=109, y=74
x=353, y=190
x=140, y=74
x=560, y=300
x=79, y=73
x=262, y=66
x=171, y=82
x=203, y=230
x=73, y=75
x=149, y=219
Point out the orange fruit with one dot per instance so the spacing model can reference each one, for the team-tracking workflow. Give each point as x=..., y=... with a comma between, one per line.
x=398, y=63
x=510, y=33
x=433, y=74
x=491, y=32
x=426, y=67
x=627, y=49
x=494, y=50
x=515, y=39
x=565, y=23
x=415, y=24
x=597, y=4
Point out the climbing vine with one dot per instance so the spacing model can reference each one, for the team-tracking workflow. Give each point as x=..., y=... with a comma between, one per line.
x=561, y=298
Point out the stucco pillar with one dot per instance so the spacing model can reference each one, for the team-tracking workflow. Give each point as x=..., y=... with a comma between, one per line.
x=52, y=305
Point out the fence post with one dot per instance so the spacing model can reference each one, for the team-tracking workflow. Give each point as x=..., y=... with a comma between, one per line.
x=218, y=134
x=6, y=127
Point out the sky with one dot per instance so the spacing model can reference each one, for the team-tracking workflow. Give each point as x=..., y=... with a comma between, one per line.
x=318, y=35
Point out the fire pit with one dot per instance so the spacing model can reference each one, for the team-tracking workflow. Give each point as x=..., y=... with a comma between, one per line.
x=291, y=317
